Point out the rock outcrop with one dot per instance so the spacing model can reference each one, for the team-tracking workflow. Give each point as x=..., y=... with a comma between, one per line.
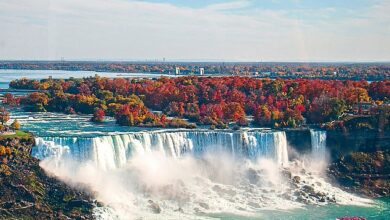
x=366, y=173
x=27, y=192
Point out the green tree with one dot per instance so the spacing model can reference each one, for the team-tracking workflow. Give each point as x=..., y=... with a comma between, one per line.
x=324, y=109
x=337, y=107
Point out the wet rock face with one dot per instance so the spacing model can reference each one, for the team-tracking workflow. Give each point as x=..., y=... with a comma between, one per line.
x=154, y=207
x=339, y=143
x=343, y=144
x=253, y=176
x=308, y=189
x=299, y=139
x=204, y=205
x=26, y=191
x=364, y=172
x=296, y=179
x=223, y=192
x=286, y=174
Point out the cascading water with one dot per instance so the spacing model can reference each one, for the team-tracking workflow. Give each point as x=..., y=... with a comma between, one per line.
x=110, y=152
x=186, y=173
x=318, y=143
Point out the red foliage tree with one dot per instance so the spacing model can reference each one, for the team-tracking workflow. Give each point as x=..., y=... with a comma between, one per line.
x=98, y=115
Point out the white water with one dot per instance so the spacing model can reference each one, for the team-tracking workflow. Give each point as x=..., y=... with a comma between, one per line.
x=189, y=174
x=318, y=144
x=111, y=152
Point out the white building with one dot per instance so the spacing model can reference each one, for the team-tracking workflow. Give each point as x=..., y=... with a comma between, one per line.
x=177, y=70
x=201, y=71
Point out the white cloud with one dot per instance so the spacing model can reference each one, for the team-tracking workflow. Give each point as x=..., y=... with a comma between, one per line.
x=229, y=5
x=120, y=29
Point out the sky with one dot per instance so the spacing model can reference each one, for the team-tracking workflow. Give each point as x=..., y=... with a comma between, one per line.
x=195, y=30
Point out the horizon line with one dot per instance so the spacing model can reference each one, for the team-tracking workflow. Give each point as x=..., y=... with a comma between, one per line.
x=193, y=61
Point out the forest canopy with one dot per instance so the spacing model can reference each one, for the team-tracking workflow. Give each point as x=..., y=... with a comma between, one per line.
x=216, y=101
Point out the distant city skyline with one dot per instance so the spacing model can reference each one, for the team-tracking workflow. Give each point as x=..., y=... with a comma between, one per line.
x=238, y=30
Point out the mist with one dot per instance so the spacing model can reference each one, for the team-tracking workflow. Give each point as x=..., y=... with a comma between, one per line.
x=153, y=185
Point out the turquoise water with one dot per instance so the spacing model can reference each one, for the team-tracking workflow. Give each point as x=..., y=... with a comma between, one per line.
x=46, y=124
x=4, y=85
x=329, y=212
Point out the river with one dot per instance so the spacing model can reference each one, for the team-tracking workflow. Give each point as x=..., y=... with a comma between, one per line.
x=7, y=75
x=189, y=174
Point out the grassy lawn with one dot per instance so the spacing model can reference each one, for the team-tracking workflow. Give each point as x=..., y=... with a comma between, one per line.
x=18, y=134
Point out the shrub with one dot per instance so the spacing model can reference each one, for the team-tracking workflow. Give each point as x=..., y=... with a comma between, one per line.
x=15, y=125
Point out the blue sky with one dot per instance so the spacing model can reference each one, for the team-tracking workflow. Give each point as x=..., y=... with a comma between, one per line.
x=237, y=30
x=300, y=9
x=278, y=4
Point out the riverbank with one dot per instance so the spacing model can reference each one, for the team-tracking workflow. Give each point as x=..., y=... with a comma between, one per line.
x=27, y=192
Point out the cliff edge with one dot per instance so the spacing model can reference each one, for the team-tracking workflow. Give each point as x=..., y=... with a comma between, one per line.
x=27, y=192
x=365, y=173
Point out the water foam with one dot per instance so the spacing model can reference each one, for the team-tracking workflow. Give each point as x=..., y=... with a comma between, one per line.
x=188, y=175
x=318, y=143
x=111, y=152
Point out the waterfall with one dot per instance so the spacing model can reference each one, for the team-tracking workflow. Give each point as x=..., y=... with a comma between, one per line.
x=110, y=152
x=318, y=143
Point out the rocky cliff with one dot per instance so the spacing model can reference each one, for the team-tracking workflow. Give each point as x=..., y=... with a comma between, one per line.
x=365, y=173
x=27, y=192
x=359, y=160
x=340, y=143
x=344, y=143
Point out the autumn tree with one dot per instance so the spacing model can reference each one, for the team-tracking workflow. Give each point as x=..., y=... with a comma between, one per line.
x=98, y=115
x=4, y=115
x=175, y=109
x=380, y=90
x=9, y=99
x=204, y=100
x=325, y=109
x=356, y=95
x=36, y=101
x=262, y=116
x=15, y=125
x=84, y=89
x=233, y=111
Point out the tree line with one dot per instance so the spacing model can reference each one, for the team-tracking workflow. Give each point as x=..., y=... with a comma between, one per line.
x=190, y=101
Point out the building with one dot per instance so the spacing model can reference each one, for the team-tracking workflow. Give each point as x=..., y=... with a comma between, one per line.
x=266, y=74
x=177, y=70
x=201, y=71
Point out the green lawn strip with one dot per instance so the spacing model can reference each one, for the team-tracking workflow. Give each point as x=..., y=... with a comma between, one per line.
x=18, y=134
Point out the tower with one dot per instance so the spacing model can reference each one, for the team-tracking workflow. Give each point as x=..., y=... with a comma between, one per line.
x=201, y=71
